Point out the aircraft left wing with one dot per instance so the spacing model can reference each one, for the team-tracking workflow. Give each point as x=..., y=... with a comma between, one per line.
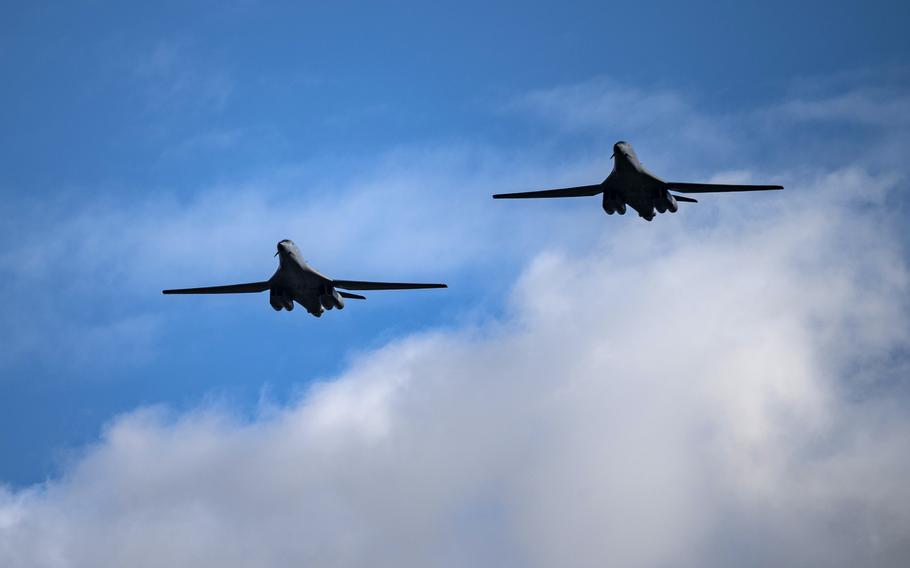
x=363, y=285
x=717, y=187
x=580, y=191
x=229, y=289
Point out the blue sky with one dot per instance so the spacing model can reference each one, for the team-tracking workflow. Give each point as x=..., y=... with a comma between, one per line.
x=168, y=145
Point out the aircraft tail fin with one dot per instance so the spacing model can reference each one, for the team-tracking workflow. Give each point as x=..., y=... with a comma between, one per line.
x=351, y=296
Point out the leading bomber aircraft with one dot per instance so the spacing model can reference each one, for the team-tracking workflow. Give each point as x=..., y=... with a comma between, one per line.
x=297, y=281
x=631, y=184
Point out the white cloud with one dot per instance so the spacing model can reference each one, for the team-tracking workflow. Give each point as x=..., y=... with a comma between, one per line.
x=673, y=396
x=868, y=107
x=667, y=127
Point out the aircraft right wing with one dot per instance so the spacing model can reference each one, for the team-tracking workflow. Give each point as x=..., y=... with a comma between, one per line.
x=716, y=187
x=363, y=285
x=229, y=289
x=580, y=191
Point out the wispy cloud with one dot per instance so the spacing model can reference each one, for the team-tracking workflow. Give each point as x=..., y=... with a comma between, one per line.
x=173, y=77
x=213, y=140
x=867, y=107
x=119, y=252
x=655, y=118
x=675, y=133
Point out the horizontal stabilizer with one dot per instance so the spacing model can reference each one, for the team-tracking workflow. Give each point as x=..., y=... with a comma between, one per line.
x=350, y=296
x=580, y=191
x=363, y=285
x=717, y=187
x=230, y=289
x=683, y=199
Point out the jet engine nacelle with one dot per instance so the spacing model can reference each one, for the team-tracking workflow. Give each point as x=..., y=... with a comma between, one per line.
x=613, y=203
x=666, y=202
x=278, y=300
x=660, y=200
x=331, y=300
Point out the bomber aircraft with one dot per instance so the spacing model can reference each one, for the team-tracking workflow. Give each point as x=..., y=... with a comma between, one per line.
x=296, y=281
x=631, y=184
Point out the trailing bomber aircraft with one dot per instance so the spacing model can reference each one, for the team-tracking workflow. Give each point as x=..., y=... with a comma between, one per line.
x=296, y=281
x=631, y=184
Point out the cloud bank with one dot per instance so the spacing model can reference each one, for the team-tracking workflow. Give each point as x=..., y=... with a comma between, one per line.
x=727, y=395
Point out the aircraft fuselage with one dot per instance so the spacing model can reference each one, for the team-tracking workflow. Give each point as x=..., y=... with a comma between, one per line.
x=297, y=281
x=631, y=184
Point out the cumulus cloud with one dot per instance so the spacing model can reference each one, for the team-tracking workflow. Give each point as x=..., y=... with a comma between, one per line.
x=707, y=396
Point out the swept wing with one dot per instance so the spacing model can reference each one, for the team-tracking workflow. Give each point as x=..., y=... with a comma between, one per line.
x=365, y=285
x=579, y=191
x=717, y=187
x=248, y=288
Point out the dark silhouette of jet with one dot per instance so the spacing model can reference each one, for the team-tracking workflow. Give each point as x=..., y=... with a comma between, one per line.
x=296, y=281
x=631, y=184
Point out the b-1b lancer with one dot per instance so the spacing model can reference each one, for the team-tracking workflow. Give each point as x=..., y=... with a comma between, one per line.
x=296, y=281
x=631, y=184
